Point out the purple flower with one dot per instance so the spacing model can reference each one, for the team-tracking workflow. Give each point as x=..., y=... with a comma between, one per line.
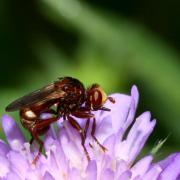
x=65, y=156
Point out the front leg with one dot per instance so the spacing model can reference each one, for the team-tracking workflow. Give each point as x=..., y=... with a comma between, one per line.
x=94, y=137
x=88, y=115
x=82, y=113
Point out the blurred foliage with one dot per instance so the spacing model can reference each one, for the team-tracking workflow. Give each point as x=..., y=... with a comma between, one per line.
x=45, y=39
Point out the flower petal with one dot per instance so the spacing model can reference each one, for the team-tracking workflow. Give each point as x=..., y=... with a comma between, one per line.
x=141, y=167
x=110, y=145
x=33, y=174
x=74, y=174
x=91, y=171
x=13, y=133
x=4, y=166
x=55, y=147
x=119, y=111
x=4, y=148
x=153, y=172
x=17, y=161
x=72, y=148
x=164, y=163
x=121, y=168
x=104, y=129
x=66, y=158
x=132, y=108
x=137, y=137
x=125, y=175
x=110, y=122
x=56, y=163
x=48, y=176
x=137, y=178
x=172, y=170
x=12, y=175
x=121, y=115
x=107, y=174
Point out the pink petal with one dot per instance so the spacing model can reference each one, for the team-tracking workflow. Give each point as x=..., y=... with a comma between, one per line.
x=48, y=176
x=56, y=163
x=164, y=163
x=132, y=108
x=13, y=133
x=120, y=111
x=107, y=174
x=141, y=167
x=4, y=166
x=137, y=178
x=12, y=176
x=121, y=115
x=172, y=171
x=121, y=168
x=33, y=174
x=91, y=171
x=57, y=155
x=110, y=122
x=153, y=173
x=4, y=148
x=18, y=163
x=110, y=145
x=125, y=176
x=137, y=137
x=74, y=174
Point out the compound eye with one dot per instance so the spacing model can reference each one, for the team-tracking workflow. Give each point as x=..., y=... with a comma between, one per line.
x=98, y=98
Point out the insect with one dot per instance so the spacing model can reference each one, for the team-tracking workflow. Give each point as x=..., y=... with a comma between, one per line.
x=67, y=98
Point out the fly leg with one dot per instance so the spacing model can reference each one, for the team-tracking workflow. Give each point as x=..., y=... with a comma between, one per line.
x=94, y=137
x=112, y=100
x=39, y=129
x=40, y=142
x=31, y=140
x=86, y=127
x=85, y=114
x=76, y=126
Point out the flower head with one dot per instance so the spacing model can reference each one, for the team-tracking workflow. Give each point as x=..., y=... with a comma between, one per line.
x=65, y=156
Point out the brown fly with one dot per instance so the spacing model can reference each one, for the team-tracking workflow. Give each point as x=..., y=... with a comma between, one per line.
x=70, y=98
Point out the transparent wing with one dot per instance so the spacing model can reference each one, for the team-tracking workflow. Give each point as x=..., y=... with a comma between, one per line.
x=44, y=94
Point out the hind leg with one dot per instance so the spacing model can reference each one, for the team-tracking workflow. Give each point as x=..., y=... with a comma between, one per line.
x=40, y=128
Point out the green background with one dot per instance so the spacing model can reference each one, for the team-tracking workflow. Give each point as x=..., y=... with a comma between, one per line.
x=114, y=43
